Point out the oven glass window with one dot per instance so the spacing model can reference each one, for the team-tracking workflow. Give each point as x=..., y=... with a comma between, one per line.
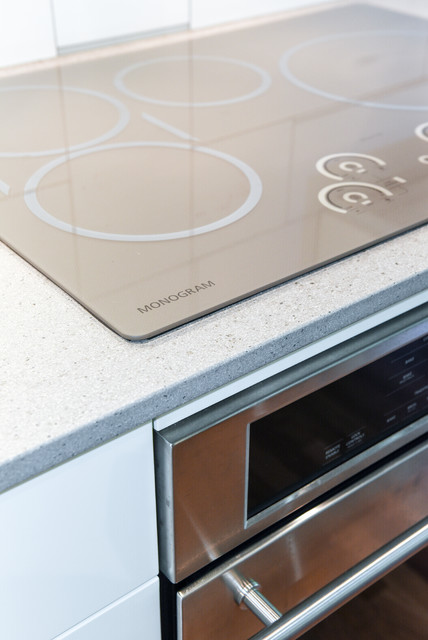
x=303, y=440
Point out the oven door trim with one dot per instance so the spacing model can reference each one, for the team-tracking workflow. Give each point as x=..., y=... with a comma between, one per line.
x=386, y=511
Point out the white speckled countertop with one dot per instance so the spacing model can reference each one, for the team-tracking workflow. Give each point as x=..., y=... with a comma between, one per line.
x=68, y=383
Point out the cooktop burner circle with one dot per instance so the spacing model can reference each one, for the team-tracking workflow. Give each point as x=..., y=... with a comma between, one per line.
x=264, y=81
x=32, y=202
x=122, y=121
x=342, y=62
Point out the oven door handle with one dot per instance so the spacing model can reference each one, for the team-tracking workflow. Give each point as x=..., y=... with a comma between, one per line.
x=312, y=610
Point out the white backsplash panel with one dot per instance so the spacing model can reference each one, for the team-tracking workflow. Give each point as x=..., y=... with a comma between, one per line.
x=82, y=22
x=206, y=12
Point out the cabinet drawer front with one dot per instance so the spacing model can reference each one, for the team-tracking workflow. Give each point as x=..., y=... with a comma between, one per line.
x=132, y=617
x=77, y=538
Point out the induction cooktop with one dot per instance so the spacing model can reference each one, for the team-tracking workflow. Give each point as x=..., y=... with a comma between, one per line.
x=163, y=183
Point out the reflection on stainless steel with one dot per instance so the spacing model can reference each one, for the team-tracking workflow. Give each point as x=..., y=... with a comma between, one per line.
x=246, y=592
x=343, y=540
x=319, y=605
x=197, y=526
x=332, y=539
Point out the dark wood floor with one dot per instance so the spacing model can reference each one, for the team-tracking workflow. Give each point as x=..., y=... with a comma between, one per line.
x=396, y=608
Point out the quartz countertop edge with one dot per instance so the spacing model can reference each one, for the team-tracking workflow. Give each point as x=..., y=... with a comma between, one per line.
x=69, y=384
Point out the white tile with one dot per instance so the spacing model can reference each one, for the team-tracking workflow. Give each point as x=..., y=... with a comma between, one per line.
x=26, y=31
x=87, y=21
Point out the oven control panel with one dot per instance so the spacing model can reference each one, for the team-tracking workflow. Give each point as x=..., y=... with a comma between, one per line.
x=303, y=440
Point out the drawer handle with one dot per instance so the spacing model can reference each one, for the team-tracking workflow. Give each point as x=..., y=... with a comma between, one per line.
x=312, y=610
x=245, y=591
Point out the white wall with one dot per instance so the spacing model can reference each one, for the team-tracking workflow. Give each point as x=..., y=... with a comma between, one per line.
x=415, y=7
x=36, y=29
x=207, y=12
x=87, y=21
x=26, y=31
x=33, y=30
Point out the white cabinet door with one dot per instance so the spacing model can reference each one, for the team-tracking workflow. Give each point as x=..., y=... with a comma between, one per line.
x=136, y=616
x=206, y=12
x=26, y=31
x=86, y=21
x=77, y=538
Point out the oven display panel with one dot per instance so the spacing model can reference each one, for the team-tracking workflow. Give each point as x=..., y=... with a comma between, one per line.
x=303, y=440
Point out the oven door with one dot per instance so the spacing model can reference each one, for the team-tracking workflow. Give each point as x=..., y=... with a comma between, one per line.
x=285, y=583
x=232, y=471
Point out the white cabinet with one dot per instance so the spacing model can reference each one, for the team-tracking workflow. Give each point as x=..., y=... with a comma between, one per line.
x=133, y=617
x=26, y=31
x=78, y=22
x=206, y=12
x=77, y=538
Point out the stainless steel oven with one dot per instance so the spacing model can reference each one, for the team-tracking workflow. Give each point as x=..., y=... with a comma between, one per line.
x=282, y=503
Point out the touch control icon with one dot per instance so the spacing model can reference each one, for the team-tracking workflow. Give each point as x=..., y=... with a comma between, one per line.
x=346, y=193
x=333, y=165
x=351, y=195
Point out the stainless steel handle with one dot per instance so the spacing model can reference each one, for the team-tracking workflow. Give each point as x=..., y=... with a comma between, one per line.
x=303, y=617
x=246, y=593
